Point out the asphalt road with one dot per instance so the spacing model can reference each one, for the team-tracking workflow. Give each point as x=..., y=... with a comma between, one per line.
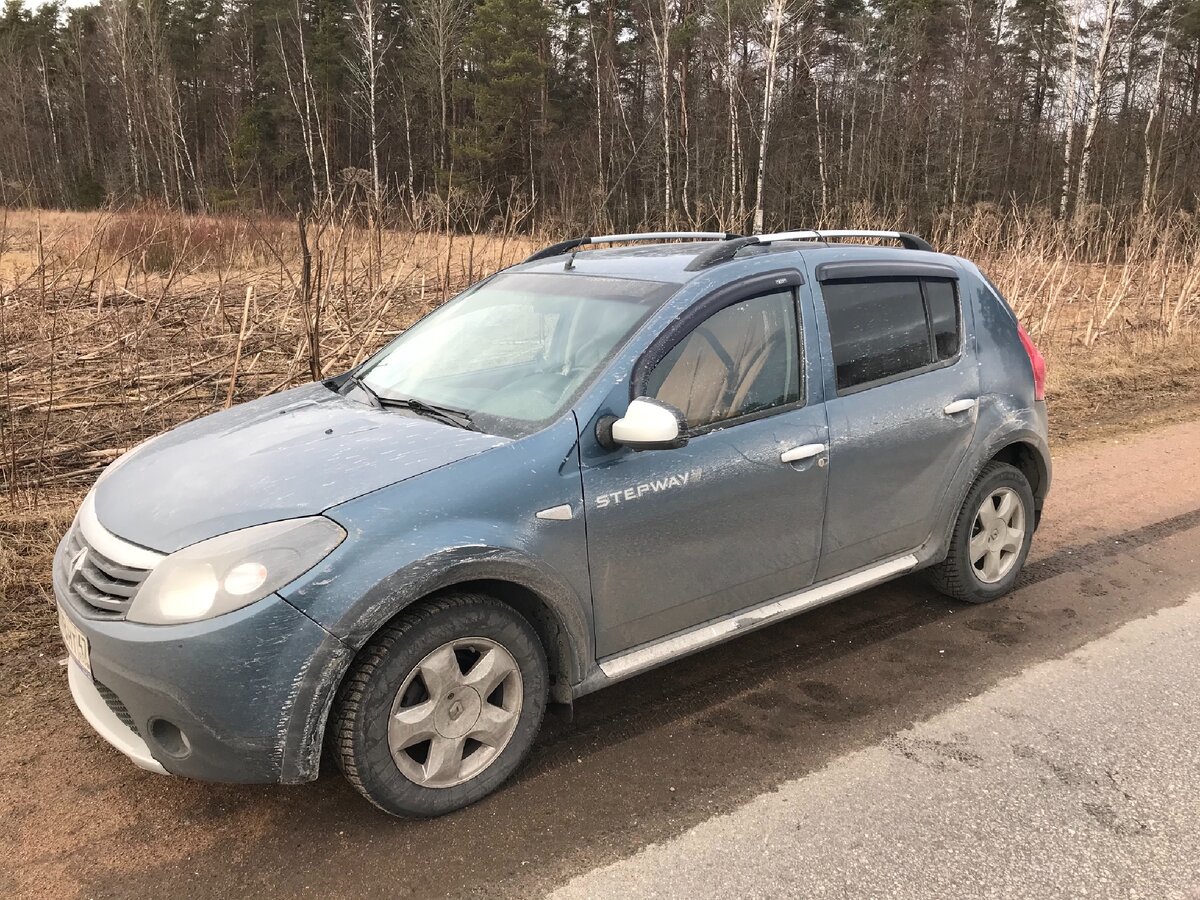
x=647, y=760
x=1076, y=778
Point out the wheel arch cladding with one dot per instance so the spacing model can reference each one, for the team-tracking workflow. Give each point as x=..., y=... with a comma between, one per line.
x=561, y=661
x=1026, y=457
x=1020, y=449
x=497, y=574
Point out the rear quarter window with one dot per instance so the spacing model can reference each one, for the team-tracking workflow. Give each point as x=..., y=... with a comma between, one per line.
x=942, y=299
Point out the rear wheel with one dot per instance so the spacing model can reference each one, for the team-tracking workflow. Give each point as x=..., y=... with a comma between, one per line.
x=991, y=537
x=442, y=706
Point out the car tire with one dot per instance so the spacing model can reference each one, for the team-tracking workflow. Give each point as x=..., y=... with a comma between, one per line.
x=402, y=715
x=968, y=575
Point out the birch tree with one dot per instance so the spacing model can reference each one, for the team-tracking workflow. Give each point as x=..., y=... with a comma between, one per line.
x=439, y=27
x=1149, y=173
x=660, y=23
x=774, y=12
x=1099, y=70
x=373, y=46
x=1072, y=88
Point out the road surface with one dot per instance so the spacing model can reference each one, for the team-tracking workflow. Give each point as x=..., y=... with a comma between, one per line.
x=1076, y=778
x=648, y=760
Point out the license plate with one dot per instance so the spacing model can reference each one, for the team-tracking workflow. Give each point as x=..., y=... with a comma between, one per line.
x=76, y=641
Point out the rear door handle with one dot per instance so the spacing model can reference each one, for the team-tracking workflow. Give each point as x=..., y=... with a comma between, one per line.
x=803, y=452
x=960, y=406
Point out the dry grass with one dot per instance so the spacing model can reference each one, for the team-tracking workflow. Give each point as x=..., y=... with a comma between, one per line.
x=28, y=536
x=115, y=326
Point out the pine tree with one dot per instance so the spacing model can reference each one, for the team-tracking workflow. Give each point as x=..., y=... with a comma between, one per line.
x=508, y=93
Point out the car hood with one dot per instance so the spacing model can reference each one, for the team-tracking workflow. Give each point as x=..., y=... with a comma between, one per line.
x=292, y=454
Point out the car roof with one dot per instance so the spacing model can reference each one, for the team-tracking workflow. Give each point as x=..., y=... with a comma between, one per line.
x=669, y=262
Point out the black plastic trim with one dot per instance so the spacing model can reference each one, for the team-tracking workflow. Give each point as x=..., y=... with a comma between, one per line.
x=722, y=252
x=557, y=249
x=883, y=268
x=912, y=242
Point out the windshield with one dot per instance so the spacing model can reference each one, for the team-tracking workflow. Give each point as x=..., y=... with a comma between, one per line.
x=516, y=350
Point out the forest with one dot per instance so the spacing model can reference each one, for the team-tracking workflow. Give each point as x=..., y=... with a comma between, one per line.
x=607, y=114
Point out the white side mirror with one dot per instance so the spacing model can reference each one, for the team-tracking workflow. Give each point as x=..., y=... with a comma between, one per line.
x=650, y=424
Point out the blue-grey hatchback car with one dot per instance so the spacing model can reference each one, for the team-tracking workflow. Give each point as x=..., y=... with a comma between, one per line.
x=583, y=467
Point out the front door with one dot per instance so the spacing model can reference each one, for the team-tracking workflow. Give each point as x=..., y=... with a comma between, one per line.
x=681, y=536
x=907, y=387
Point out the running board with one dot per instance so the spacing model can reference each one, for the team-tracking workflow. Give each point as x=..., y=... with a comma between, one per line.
x=650, y=655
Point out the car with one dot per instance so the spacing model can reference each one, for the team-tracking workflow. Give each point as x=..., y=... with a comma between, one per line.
x=583, y=467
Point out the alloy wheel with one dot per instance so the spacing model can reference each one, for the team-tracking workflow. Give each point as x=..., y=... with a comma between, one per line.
x=455, y=712
x=997, y=535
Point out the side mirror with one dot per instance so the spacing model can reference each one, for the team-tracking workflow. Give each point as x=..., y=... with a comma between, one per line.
x=650, y=425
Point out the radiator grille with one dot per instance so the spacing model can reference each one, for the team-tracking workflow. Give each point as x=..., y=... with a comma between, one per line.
x=99, y=583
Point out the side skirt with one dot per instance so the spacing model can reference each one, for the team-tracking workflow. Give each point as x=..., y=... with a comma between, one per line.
x=647, y=656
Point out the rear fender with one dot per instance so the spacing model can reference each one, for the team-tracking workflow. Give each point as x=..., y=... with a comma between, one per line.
x=1023, y=430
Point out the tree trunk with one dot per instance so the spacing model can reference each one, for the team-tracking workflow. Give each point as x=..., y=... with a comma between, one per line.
x=1072, y=111
x=774, y=11
x=1093, y=117
x=1148, y=185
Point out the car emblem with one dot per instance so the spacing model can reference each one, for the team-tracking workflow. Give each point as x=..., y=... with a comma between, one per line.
x=78, y=561
x=455, y=710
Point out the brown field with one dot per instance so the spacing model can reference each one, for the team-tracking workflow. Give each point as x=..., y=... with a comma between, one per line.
x=115, y=326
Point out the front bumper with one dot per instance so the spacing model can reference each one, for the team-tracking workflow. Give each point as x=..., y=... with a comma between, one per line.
x=106, y=722
x=249, y=691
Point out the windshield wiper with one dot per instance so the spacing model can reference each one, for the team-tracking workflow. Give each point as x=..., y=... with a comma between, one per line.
x=356, y=381
x=445, y=414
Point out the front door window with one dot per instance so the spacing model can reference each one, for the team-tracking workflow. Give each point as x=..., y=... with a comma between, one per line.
x=742, y=360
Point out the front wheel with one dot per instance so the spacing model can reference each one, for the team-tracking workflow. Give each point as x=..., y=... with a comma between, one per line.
x=991, y=538
x=442, y=706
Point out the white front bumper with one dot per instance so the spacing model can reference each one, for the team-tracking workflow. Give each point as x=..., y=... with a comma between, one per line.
x=105, y=721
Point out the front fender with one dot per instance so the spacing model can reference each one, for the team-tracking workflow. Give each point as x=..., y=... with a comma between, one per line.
x=474, y=520
x=456, y=565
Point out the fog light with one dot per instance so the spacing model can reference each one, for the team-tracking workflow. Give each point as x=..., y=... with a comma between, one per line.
x=168, y=736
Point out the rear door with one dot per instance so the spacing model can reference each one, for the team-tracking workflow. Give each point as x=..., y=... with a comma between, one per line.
x=903, y=383
x=677, y=537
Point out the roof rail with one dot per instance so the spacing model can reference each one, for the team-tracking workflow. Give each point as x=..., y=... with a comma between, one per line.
x=909, y=241
x=566, y=246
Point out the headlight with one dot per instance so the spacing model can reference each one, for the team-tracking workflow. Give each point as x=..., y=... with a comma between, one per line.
x=232, y=570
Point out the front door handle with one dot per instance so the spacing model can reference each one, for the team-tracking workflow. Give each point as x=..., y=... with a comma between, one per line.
x=960, y=406
x=798, y=454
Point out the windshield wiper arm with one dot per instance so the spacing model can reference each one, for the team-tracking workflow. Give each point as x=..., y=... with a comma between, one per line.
x=372, y=395
x=454, y=417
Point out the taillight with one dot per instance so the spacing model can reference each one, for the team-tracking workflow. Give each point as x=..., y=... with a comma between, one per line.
x=1037, y=361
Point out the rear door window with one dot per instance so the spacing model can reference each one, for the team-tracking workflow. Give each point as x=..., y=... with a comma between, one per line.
x=882, y=329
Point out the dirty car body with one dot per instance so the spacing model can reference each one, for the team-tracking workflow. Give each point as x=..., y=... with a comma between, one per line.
x=737, y=430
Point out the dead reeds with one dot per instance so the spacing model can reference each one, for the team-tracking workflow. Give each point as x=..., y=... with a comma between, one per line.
x=115, y=326
x=106, y=339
